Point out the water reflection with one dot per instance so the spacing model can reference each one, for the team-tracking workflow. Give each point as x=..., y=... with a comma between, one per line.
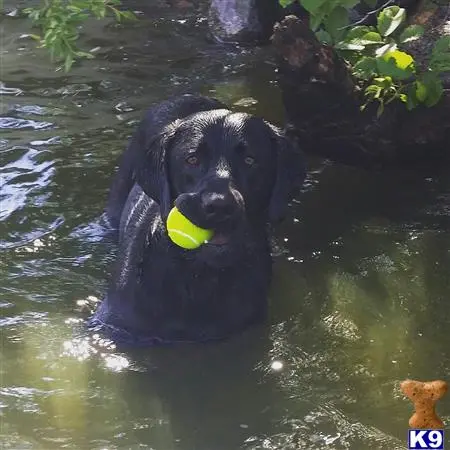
x=359, y=298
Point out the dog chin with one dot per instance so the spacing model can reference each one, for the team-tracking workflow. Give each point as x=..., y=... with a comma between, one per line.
x=223, y=250
x=219, y=255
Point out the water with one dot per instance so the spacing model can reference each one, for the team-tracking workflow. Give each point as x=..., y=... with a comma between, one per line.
x=360, y=293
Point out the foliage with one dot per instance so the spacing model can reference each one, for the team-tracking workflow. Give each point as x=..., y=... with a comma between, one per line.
x=60, y=22
x=375, y=53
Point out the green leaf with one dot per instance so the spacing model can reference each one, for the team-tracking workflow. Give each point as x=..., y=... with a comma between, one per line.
x=68, y=62
x=403, y=98
x=349, y=46
x=349, y=3
x=442, y=45
x=412, y=33
x=324, y=37
x=337, y=20
x=82, y=17
x=434, y=88
x=312, y=6
x=129, y=15
x=434, y=94
x=403, y=60
x=358, y=32
x=385, y=82
x=74, y=8
x=286, y=3
x=316, y=20
x=440, y=56
x=371, y=38
x=81, y=54
x=33, y=14
x=421, y=91
x=390, y=19
x=372, y=90
x=117, y=14
x=365, y=68
x=59, y=20
x=440, y=62
x=385, y=49
x=396, y=64
x=49, y=34
x=411, y=99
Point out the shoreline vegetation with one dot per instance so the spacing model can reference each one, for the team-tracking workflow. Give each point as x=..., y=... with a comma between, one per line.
x=363, y=82
x=357, y=86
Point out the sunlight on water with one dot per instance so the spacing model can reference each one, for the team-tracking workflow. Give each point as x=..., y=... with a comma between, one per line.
x=276, y=365
x=116, y=363
x=83, y=348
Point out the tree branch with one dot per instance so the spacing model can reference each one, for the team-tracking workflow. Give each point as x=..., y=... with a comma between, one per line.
x=367, y=16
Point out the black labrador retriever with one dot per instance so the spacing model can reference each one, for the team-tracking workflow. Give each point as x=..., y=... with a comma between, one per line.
x=230, y=172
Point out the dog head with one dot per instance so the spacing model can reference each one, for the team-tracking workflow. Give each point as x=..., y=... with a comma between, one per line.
x=230, y=172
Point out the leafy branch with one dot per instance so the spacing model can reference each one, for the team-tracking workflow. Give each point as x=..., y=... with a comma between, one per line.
x=60, y=22
x=385, y=71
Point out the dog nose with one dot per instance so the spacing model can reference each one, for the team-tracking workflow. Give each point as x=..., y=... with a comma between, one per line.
x=218, y=206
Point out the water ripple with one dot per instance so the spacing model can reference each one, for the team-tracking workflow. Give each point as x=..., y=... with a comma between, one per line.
x=13, y=123
x=25, y=238
x=20, y=178
x=25, y=318
x=51, y=141
x=35, y=110
x=9, y=91
x=30, y=109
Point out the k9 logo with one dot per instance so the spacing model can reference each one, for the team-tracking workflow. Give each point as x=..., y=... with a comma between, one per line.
x=428, y=439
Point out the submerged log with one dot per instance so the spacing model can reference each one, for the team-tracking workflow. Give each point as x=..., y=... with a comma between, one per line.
x=322, y=103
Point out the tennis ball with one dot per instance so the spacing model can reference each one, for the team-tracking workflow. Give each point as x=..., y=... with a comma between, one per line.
x=184, y=233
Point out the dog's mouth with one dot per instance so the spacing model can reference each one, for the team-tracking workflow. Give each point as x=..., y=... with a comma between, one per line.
x=218, y=239
x=222, y=249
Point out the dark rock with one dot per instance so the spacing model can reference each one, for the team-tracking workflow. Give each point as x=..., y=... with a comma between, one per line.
x=242, y=20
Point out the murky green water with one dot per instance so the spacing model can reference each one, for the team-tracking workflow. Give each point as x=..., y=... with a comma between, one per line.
x=360, y=296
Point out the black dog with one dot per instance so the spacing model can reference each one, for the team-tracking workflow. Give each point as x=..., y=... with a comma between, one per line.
x=230, y=172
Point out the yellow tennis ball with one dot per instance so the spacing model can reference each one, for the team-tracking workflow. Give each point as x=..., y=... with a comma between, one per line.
x=184, y=233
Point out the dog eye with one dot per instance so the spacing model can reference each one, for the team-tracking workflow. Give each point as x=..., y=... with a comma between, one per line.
x=192, y=160
x=249, y=160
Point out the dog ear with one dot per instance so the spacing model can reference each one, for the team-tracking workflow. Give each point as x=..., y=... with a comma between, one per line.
x=290, y=174
x=151, y=168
